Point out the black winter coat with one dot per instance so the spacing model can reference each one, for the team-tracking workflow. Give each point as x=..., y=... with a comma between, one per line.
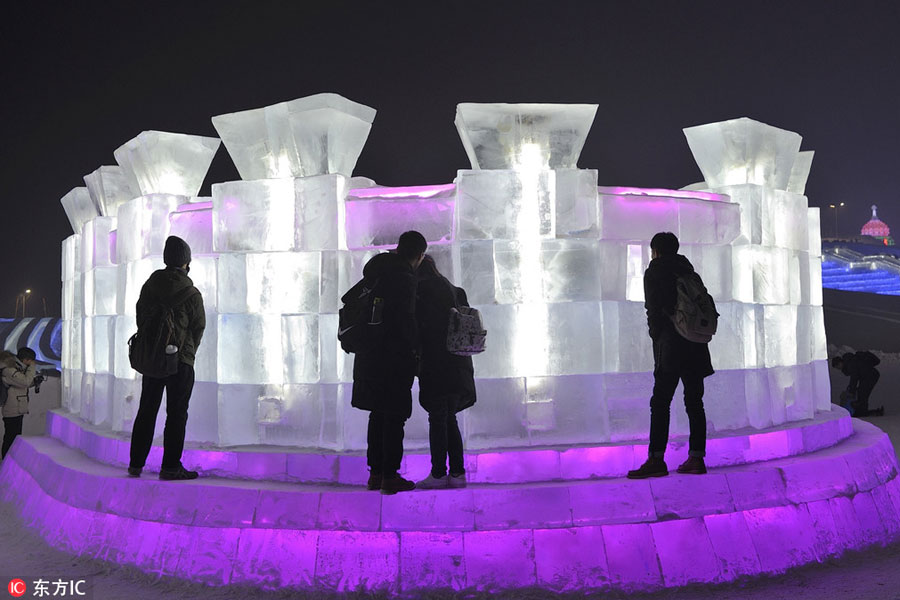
x=441, y=374
x=190, y=318
x=382, y=379
x=859, y=366
x=671, y=352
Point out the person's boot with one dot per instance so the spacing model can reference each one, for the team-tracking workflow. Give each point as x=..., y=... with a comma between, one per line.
x=392, y=485
x=694, y=465
x=457, y=481
x=433, y=483
x=134, y=471
x=179, y=473
x=654, y=467
x=374, y=482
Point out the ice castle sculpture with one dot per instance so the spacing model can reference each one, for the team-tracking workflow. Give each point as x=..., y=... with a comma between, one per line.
x=553, y=261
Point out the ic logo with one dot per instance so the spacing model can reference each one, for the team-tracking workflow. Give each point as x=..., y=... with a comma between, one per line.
x=16, y=588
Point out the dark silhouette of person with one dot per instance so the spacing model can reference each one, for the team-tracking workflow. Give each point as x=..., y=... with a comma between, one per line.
x=190, y=321
x=383, y=377
x=446, y=381
x=674, y=358
x=860, y=368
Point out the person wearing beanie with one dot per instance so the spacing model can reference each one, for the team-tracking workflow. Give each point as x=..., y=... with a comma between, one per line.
x=169, y=287
x=177, y=253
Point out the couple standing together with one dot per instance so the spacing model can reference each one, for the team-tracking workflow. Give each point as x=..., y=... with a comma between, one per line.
x=418, y=300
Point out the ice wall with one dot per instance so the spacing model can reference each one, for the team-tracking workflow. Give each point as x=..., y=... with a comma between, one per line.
x=554, y=262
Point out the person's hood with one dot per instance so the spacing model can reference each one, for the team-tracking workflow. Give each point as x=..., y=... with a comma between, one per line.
x=8, y=359
x=169, y=281
x=677, y=263
x=383, y=263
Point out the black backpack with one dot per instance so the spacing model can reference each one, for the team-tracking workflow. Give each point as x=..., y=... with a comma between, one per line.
x=868, y=358
x=360, y=326
x=147, y=347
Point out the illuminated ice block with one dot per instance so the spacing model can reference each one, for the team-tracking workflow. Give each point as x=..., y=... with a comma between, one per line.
x=100, y=286
x=569, y=270
x=780, y=335
x=315, y=135
x=576, y=203
x=71, y=257
x=79, y=207
x=249, y=349
x=790, y=220
x=131, y=279
x=714, y=264
x=160, y=162
x=377, y=216
x=192, y=222
x=97, y=249
x=500, y=136
x=815, y=231
x=269, y=283
x=109, y=188
x=124, y=328
x=505, y=204
x=739, y=341
x=743, y=151
x=253, y=216
x=99, y=336
x=800, y=172
x=320, y=212
x=143, y=226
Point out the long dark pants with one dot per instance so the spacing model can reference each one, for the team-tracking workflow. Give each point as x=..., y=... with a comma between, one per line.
x=444, y=437
x=867, y=383
x=385, y=439
x=12, y=428
x=178, y=389
x=664, y=385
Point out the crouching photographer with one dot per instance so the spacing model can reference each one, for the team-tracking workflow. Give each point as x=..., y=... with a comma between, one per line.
x=18, y=375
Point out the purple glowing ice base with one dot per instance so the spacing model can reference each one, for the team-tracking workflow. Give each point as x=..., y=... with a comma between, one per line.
x=570, y=534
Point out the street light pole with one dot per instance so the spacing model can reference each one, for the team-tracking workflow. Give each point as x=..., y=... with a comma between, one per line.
x=24, y=298
x=834, y=209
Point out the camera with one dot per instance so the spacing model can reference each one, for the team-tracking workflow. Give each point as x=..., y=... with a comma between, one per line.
x=38, y=380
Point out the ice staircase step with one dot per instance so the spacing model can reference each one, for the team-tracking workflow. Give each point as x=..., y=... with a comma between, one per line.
x=512, y=465
x=621, y=534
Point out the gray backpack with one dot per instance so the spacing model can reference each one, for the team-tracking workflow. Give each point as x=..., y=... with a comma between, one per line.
x=695, y=317
x=466, y=335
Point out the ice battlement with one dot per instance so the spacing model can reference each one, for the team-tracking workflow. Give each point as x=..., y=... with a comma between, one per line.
x=552, y=259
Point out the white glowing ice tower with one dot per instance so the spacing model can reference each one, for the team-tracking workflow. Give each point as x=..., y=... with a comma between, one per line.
x=553, y=261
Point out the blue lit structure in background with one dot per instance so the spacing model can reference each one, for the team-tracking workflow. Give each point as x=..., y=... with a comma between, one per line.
x=852, y=271
x=44, y=336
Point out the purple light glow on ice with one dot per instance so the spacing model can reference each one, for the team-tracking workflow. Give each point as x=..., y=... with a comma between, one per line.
x=514, y=465
x=376, y=220
x=420, y=191
x=562, y=536
x=682, y=194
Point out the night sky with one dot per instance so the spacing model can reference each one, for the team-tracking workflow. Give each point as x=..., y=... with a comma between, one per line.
x=81, y=78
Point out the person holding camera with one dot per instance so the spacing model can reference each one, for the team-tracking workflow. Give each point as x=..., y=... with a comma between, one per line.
x=19, y=373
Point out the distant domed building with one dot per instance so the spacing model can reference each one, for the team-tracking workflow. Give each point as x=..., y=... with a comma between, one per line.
x=878, y=229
